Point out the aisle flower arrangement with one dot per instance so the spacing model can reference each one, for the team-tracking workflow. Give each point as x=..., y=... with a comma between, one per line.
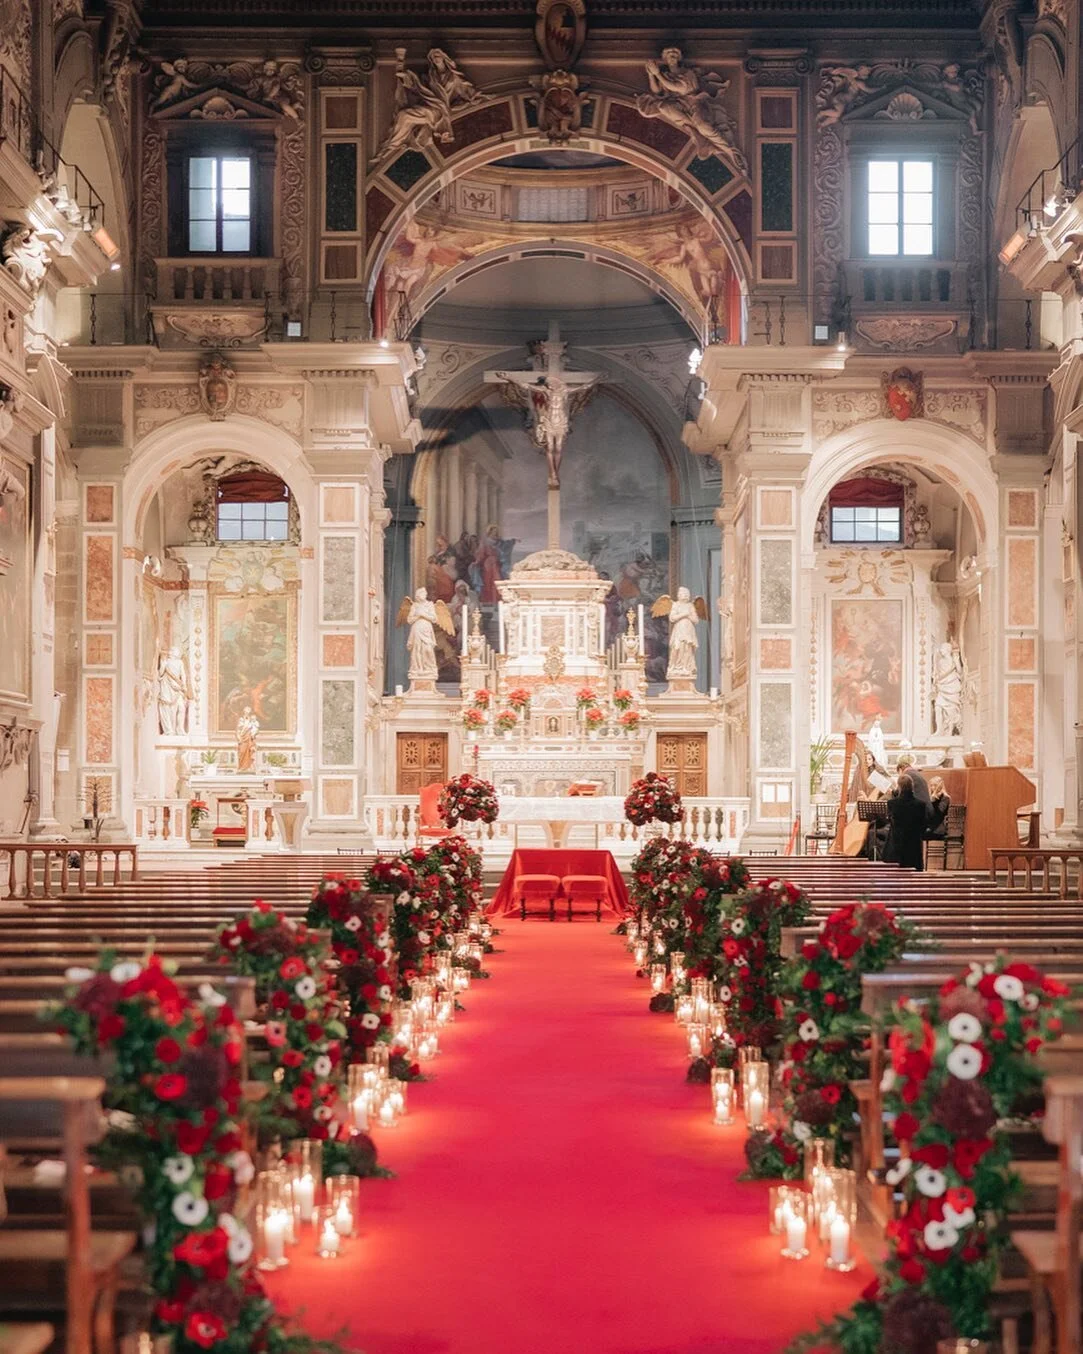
x=414, y=880
x=958, y=1066
x=361, y=942
x=176, y=1075
x=750, y=960
x=652, y=800
x=824, y=1032
x=303, y=1028
x=468, y=799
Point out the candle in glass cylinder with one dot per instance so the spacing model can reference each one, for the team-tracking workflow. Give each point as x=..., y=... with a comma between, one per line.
x=658, y=977
x=304, y=1196
x=387, y=1114
x=329, y=1241
x=274, y=1238
x=343, y=1219
x=723, y=1105
x=361, y=1111
x=683, y=1010
x=796, y=1231
x=697, y=1040
x=839, y=1241
x=756, y=1107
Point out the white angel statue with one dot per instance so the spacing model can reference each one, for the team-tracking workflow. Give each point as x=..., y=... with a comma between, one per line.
x=683, y=615
x=422, y=616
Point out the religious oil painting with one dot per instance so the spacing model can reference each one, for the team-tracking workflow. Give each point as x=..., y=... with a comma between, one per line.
x=254, y=660
x=866, y=665
x=15, y=581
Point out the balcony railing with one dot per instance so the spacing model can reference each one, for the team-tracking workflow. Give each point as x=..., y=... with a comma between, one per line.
x=218, y=277
x=1052, y=190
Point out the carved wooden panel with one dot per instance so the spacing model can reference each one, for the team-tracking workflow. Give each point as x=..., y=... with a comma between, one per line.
x=421, y=759
x=683, y=758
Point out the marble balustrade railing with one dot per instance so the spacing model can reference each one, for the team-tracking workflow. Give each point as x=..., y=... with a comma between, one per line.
x=161, y=824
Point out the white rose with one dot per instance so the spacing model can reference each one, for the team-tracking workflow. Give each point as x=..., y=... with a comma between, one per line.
x=125, y=971
x=966, y=1217
x=808, y=1030
x=899, y=1171
x=352, y=923
x=930, y=1182
x=964, y=1062
x=965, y=1028
x=178, y=1170
x=78, y=975
x=1009, y=988
x=369, y=1021
x=423, y=937
x=305, y=988
x=190, y=1209
x=322, y=1066
x=801, y=1131
x=887, y=1081
x=242, y=1166
x=940, y=1236
x=240, y=1246
x=384, y=992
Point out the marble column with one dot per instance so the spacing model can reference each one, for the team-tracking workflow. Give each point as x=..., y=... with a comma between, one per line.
x=43, y=677
x=470, y=498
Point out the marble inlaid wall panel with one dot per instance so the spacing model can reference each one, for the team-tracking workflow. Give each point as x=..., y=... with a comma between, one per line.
x=1021, y=745
x=101, y=504
x=1022, y=508
x=776, y=507
x=776, y=654
x=776, y=714
x=98, y=586
x=776, y=582
x=1022, y=580
x=337, y=742
x=1022, y=655
x=339, y=504
x=99, y=649
x=338, y=651
x=338, y=796
x=98, y=706
x=339, y=581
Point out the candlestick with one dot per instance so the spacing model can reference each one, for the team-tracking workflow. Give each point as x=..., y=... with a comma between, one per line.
x=304, y=1195
x=500, y=626
x=465, y=626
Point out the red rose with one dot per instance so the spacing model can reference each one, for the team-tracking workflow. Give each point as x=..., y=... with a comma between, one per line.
x=198, y=1037
x=110, y=1027
x=192, y=1138
x=171, y=1312
x=200, y=1249
x=934, y=1154
x=280, y=999
x=913, y=1271
x=291, y=968
x=811, y=981
x=170, y=1086
x=848, y=946
x=968, y=1152
x=810, y=949
x=205, y=1329
x=217, y=1181
x=906, y=1126
x=302, y=1097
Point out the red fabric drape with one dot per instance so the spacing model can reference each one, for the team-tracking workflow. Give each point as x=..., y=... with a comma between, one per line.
x=566, y=860
x=251, y=486
x=866, y=492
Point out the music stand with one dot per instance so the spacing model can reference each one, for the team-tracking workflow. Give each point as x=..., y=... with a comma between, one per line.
x=872, y=811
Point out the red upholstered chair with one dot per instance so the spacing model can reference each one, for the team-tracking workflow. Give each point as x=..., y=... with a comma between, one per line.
x=585, y=888
x=537, y=888
x=429, y=823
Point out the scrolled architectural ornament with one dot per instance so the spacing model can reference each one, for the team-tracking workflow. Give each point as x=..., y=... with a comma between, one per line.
x=560, y=105
x=692, y=103
x=217, y=388
x=26, y=254
x=15, y=743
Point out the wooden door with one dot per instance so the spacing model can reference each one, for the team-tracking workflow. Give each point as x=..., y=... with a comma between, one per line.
x=421, y=759
x=683, y=758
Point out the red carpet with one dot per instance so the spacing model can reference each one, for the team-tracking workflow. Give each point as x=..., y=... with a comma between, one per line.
x=561, y=1189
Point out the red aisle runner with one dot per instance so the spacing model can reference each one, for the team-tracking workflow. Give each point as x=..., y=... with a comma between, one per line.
x=561, y=1190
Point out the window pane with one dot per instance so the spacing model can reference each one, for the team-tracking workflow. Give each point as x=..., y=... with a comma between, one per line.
x=864, y=514
x=887, y=532
x=201, y=204
x=202, y=171
x=865, y=531
x=235, y=236
x=917, y=208
x=229, y=531
x=883, y=239
x=277, y=512
x=918, y=176
x=917, y=239
x=276, y=531
x=235, y=203
x=884, y=207
x=229, y=512
x=236, y=173
x=252, y=512
x=883, y=176
x=201, y=238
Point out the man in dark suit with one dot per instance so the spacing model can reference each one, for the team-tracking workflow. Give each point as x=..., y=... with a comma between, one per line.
x=908, y=817
x=905, y=766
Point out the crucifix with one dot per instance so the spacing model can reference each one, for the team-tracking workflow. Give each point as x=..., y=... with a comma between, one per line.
x=550, y=395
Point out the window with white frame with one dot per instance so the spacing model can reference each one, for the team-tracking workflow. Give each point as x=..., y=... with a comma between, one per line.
x=868, y=525
x=219, y=204
x=899, y=207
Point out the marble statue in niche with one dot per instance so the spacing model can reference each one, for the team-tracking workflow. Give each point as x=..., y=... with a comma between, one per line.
x=423, y=616
x=683, y=615
x=947, y=690
x=247, y=733
x=174, y=693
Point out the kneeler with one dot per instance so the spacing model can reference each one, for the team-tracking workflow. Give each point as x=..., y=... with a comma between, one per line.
x=537, y=887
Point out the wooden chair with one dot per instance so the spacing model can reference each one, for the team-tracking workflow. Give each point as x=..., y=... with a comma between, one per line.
x=823, y=830
x=429, y=822
x=953, y=838
x=587, y=887
x=90, y=1260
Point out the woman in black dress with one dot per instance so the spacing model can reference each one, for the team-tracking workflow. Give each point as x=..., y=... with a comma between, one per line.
x=907, y=817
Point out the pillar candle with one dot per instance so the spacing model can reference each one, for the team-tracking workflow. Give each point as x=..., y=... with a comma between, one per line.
x=304, y=1192
x=274, y=1236
x=500, y=619
x=465, y=624
x=796, y=1229
x=755, y=1113
x=642, y=639
x=840, y=1240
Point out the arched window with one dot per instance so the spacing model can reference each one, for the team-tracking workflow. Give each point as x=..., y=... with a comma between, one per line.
x=866, y=511
x=253, y=505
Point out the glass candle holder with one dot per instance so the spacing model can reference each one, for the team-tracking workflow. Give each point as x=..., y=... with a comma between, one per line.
x=639, y=953
x=794, y=1225
x=959, y=1345
x=396, y=1093
x=460, y=979
x=698, y=1040
x=344, y=1203
x=445, y=1009
x=328, y=1237
x=272, y=1222
x=819, y=1157
x=756, y=1092
x=659, y=945
x=658, y=977
x=682, y=1010
x=723, y=1094
x=676, y=966
x=777, y=1199
x=716, y=1019
x=841, y=1220
x=378, y=1054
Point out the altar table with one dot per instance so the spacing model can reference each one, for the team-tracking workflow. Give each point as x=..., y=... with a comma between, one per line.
x=557, y=813
x=560, y=863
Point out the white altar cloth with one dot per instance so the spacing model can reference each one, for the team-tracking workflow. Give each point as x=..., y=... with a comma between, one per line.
x=557, y=813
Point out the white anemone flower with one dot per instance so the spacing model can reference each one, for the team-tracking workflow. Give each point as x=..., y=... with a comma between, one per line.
x=974, y=974
x=964, y=1028
x=964, y=1062
x=240, y=1246
x=940, y=1236
x=125, y=971
x=403, y=898
x=738, y=926
x=423, y=937
x=352, y=923
x=965, y=1217
x=899, y=1171
x=370, y=1021
x=800, y=1130
x=725, y=993
x=178, y=1170
x=190, y=1209
x=1009, y=988
x=322, y=1114
x=322, y=1066
x=930, y=1182
x=78, y=974
x=305, y=988
x=383, y=939
x=210, y=996
x=384, y=992
x=887, y=1081
x=808, y=1030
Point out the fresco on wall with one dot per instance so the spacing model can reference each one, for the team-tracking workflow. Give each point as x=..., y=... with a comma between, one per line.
x=615, y=513
x=15, y=580
x=253, y=644
x=866, y=665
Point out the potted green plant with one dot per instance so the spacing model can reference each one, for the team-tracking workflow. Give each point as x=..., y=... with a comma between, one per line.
x=819, y=754
x=210, y=762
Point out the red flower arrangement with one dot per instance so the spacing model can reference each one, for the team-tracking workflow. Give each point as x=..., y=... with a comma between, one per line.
x=506, y=720
x=468, y=799
x=519, y=699
x=623, y=698
x=585, y=697
x=630, y=719
x=483, y=698
x=652, y=799
x=473, y=718
x=361, y=942
x=960, y=1064
x=175, y=1079
x=594, y=717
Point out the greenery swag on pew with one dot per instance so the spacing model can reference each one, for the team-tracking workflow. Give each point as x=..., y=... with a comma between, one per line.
x=960, y=1064
x=824, y=1035
x=304, y=1032
x=175, y=1081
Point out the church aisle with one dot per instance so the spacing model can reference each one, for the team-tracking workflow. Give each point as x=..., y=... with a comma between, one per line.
x=561, y=1190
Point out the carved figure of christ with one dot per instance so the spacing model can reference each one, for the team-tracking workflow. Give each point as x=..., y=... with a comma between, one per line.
x=550, y=395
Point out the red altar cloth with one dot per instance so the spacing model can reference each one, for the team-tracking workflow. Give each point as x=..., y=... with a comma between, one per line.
x=560, y=863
